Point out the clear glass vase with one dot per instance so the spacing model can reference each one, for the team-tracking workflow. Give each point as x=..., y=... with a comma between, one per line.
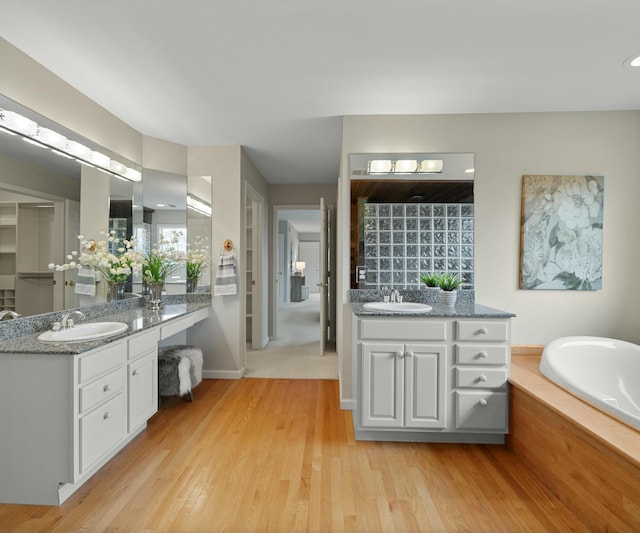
x=155, y=294
x=192, y=285
x=115, y=290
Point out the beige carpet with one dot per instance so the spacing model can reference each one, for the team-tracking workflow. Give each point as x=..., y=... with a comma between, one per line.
x=295, y=353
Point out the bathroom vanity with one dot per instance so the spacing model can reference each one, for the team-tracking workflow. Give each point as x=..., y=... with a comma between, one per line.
x=437, y=376
x=67, y=408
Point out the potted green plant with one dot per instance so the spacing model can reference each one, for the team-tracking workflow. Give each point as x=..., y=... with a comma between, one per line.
x=431, y=279
x=449, y=284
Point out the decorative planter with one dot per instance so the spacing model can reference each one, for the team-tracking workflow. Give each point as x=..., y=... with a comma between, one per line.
x=192, y=285
x=155, y=294
x=431, y=294
x=448, y=298
x=115, y=290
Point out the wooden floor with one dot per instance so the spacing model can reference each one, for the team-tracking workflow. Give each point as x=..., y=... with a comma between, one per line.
x=259, y=455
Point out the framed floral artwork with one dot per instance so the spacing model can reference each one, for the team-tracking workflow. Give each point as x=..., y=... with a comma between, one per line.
x=561, y=232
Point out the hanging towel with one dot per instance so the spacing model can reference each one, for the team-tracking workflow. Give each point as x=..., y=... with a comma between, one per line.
x=86, y=281
x=226, y=277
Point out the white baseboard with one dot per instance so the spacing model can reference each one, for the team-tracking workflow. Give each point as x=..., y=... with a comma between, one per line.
x=223, y=374
x=347, y=404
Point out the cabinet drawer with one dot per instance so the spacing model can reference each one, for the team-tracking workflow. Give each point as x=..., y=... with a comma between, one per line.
x=481, y=378
x=403, y=330
x=143, y=343
x=482, y=411
x=479, y=354
x=101, y=430
x=101, y=389
x=483, y=330
x=101, y=361
x=176, y=326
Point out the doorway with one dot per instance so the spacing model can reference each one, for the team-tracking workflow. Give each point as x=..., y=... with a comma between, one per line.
x=294, y=348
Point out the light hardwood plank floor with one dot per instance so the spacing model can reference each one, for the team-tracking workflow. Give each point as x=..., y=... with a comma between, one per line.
x=268, y=455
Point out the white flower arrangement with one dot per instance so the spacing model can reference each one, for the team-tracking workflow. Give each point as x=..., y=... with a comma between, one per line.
x=197, y=258
x=115, y=267
x=163, y=259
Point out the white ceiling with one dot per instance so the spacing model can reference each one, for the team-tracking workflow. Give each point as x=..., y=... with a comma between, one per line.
x=277, y=75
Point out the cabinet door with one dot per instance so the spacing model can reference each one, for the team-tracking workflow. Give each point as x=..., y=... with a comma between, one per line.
x=425, y=384
x=143, y=390
x=382, y=384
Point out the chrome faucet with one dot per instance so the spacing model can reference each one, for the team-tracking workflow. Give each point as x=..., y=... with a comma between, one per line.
x=395, y=294
x=67, y=320
x=6, y=314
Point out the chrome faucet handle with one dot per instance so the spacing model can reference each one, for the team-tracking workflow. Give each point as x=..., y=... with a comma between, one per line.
x=56, y=326
x=67, y=321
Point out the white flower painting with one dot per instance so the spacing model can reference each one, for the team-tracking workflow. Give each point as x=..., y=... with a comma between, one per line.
x=561, y=233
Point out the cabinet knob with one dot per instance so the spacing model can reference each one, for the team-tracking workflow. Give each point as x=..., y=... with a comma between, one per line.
x=106, y=416
x=483, y=331
x=106, y=388
x=409, y=354
x=134, y=373
x=482, y=355
x=483, y=402
x=400, y=354
x=482, y=379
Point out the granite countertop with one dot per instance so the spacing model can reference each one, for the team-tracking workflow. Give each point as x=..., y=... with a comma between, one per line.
x=137, y=319
x=463, y=310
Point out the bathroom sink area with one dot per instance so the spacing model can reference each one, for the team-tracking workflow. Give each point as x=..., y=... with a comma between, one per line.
x=400, y=307
x=84, y=332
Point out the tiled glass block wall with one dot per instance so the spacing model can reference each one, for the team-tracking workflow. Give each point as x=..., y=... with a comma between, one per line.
x=403, y=241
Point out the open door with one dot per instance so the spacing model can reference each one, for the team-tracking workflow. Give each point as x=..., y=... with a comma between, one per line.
x=324, y=274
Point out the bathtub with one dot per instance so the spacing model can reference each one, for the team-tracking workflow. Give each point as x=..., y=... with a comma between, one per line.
x=603, y=372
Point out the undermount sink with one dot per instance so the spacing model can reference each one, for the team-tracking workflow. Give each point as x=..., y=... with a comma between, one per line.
x=401, y=307
x=84, y=332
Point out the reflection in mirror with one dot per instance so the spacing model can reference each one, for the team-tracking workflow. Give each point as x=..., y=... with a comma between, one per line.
x=199, y=231
x=411, y=214
x=40, y=193
x=164, y=215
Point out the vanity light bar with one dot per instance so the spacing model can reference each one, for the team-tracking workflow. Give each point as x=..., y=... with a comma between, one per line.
x=12, y=123
x=405, y=166
x=198, y=205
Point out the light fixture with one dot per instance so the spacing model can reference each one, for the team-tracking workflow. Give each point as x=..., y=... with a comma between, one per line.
x=99, y=159
x=379, y=166
x=14, y=123
x=51, y=138
x=430, y=166
x=470, y=170
x=632, y=61
x=300, y=266
x=405, y=166
x=17, y=123
x=198, y=205
x=78, y=150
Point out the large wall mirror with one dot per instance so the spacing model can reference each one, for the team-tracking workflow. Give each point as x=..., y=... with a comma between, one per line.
x=40, y=204
x=411, y=214
x=199, y=230
x=164, y=219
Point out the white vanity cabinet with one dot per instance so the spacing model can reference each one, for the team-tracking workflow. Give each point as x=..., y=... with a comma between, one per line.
x=431, y=379
x=402, y=382
x=142, y=378
x=64, y=415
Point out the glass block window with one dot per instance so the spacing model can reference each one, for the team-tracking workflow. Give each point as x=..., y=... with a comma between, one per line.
x=403, y=241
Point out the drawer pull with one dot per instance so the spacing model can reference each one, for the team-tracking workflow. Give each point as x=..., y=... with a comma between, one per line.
x=107, y=415
x=483, y=331
x=483, y=355
x=483, y=402
x=106, y=388
x=482, y=379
